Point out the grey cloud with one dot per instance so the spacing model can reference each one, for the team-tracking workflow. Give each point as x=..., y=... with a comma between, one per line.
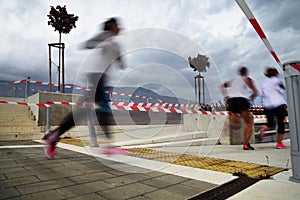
x=25, y=51
x=284, y=14
x=219, y=5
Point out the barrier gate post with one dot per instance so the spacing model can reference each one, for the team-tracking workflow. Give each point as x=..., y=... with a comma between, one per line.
x=292, y=79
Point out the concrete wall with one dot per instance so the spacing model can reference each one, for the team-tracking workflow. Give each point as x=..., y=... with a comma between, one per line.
x=215, y=127
x=58, y=112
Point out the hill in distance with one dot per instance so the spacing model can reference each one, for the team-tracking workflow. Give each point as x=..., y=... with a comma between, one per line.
x=19, y=90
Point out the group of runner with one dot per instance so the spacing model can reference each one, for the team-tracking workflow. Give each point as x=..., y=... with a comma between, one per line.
x=234, y=91
x=238, y=101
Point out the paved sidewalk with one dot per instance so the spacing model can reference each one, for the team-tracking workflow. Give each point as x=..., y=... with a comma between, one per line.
x=25, y=173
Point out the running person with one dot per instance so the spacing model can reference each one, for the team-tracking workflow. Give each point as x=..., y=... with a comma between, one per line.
x=236, y=94
x=108, y=53
x=273, y=91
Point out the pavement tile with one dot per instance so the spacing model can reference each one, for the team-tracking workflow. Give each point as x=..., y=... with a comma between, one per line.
x=138, y=198
x=2, y=177
x=58, y=175
x=18, y=181
x=16, y=165
x=91, y=177
x=127, y=191
x=46, y=195
x=154, y=174
x=177, y=191
x=73, y=175
x=45, y=185
x=49, y=162
x=183, y=190
x=99, y=185
x=117, y=172
x=6, y=193
x=51, y=165
x=126, y=179
x=38, y=167
x=13, y=169
x=26, y=160
x=82, y=167
x=5, y=163
x=61, y=168
x=201, y=185
x=165, y=195
x=26, y=173
x=92, y=196
x=164, y=181
x=96, y=165
x=83, y=189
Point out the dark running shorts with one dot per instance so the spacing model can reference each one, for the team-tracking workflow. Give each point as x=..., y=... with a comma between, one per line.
x=278, y=112
x=238, y=104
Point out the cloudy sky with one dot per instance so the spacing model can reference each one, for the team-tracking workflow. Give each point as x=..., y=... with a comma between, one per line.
x=159, y=37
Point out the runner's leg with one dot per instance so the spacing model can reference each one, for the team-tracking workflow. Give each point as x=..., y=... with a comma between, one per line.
x=248, y=118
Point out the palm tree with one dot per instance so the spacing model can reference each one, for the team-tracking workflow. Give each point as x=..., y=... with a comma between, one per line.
x=62, y=22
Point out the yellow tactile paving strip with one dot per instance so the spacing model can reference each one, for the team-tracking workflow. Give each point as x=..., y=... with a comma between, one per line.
x=251, y=170
x=74, y=141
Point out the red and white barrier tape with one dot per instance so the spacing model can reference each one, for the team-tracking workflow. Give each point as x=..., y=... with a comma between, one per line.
x=131, y=106
x=64, y=103
x=167, y=105
x=20, y=81
x=48, y=84
x=156, y=107
x=81, y=88
x=32, y=89
x=132, y=95
x=296, y=66
x=153, y=107
x=243, y=5
x=125, y=106
x=24, y=103
x=180, y=106
x=66, y=86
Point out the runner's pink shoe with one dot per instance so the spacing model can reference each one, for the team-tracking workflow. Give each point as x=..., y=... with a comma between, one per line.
x=50, y=149
x=115, y=150
x=262, y=134
x=280, y=146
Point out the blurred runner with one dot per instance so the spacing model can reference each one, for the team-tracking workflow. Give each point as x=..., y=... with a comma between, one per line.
x=107, y=53
x=273, y=91
x=236, y=93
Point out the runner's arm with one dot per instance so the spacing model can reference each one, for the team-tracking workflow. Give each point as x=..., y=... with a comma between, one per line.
x=251, y=85
x=223, y=88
